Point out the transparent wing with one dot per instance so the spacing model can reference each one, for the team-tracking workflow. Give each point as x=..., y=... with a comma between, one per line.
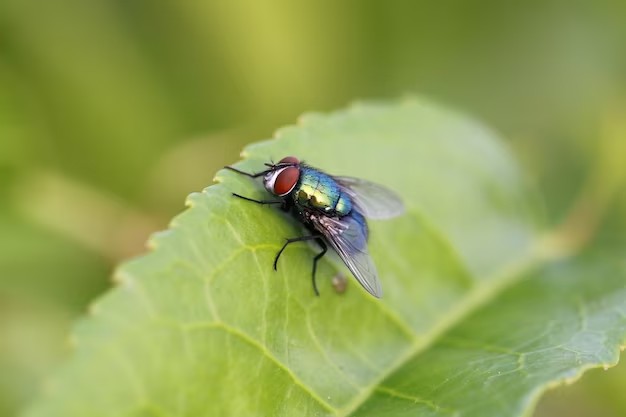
x=348, y=238
x=373, y=200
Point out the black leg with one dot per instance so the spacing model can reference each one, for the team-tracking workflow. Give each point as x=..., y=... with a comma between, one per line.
x=247, y=174
x=317, y=258
x=292, y=240
x=262, y=202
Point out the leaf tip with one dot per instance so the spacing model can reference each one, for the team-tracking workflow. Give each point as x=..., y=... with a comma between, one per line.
x=120, y=277
x=153, y=241
x=190, y=201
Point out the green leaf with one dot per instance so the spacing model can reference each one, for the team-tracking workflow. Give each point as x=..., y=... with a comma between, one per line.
x=475, y=320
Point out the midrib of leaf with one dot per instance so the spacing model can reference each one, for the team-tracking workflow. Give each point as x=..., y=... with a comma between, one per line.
x=476, y=298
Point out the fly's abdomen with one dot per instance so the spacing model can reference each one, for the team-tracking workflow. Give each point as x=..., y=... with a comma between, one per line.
x=319, y=191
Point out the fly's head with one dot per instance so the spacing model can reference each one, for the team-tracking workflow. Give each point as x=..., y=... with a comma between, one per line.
x=281, y=178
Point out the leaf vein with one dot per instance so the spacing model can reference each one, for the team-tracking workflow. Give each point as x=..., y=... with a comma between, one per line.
x=262, y=349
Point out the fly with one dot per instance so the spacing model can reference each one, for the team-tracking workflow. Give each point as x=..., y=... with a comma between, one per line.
x=333, y=210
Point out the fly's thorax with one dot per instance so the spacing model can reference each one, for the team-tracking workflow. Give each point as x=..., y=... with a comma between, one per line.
x=319, y=191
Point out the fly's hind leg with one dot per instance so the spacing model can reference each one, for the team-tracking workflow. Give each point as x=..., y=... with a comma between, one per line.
x=317, y=258
x=290, y=241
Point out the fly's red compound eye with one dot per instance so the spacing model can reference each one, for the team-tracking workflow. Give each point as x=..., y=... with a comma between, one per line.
x=286, y=180
x=289, y=160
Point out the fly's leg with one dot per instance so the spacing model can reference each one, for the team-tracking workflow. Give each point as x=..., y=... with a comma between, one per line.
x=317, y=258
x=247, y=174
x=252, y=175
x=255, y=175
x=262, y=202
x=289, y=241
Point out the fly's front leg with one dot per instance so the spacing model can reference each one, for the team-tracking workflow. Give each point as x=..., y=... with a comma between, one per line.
x=262, y=202
x=247, y=174
x=253, y=175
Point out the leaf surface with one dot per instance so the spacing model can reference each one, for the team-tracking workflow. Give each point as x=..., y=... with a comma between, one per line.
x=475, y=321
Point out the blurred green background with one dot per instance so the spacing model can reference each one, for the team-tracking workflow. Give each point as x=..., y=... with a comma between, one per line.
x=111, y=112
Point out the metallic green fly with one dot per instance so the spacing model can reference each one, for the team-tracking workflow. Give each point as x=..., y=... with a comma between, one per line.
x=333, y=210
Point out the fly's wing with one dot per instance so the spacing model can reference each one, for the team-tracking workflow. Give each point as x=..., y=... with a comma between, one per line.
x=348, y=238
x=373, y=200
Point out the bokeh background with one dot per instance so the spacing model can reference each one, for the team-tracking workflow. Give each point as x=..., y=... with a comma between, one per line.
x=111, y=112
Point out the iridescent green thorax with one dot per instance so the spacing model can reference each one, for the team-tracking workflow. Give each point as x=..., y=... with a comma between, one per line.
x=319, y=191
